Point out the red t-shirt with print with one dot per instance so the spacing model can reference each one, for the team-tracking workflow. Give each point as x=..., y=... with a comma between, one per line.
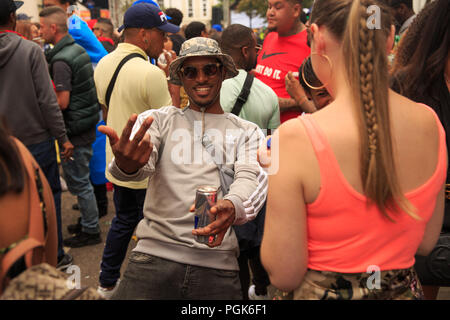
x=278, y=56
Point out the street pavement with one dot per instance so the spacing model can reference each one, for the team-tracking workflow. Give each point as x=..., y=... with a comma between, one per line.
x=88, y=258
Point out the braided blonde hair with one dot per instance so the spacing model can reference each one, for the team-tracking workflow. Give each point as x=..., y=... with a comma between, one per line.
x=367, y=72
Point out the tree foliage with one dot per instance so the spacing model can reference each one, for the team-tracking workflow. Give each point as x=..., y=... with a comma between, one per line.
x=252, y=7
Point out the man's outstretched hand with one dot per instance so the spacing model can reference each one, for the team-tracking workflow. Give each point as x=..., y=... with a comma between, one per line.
x=130, y=155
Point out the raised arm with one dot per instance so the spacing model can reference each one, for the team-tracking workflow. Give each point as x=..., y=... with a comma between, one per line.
x=130, y=155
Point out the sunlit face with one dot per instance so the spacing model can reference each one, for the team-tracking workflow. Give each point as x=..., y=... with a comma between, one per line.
x=321, y=98
x=47, y=30
x=203, y=84
x=97, y=30
x=280, y=15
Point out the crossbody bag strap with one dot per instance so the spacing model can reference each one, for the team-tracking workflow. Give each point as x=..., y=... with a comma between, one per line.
x=243, y=96
x=225, y=181
x=116, y=73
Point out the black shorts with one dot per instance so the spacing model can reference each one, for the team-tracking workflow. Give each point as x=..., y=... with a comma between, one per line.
x=434, y=270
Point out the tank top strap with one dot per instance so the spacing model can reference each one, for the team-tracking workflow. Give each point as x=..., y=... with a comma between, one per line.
x=329, y=168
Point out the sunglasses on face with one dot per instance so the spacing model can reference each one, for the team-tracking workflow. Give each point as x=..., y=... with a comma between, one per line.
x=209, y=70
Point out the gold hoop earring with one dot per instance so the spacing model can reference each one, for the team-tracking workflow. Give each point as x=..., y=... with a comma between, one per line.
x=331, y=68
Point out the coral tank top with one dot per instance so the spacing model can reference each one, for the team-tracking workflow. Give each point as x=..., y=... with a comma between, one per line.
x=348, y=236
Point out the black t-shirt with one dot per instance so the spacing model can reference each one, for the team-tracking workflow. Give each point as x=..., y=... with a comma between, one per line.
x=62, y=78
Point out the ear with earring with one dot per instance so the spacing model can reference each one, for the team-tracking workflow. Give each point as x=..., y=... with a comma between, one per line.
x=311, y=32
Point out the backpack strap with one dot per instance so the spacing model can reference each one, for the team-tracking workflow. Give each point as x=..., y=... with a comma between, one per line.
x=40, y=244
x=23, y=247
x=116, y=73
x=243, y=96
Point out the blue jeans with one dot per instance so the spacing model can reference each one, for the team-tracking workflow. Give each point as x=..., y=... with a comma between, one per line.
x=76, y=174
x=45, y=155
x=129, y=204
x=149, y=277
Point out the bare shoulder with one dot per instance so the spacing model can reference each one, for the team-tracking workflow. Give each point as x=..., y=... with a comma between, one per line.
x=292, y=133
x=294, y=145
x=292, y=128
x=413, y=116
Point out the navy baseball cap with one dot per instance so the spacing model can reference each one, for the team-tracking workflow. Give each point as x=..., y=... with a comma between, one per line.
x=145, y=15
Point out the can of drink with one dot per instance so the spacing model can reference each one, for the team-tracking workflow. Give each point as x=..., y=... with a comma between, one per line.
x=205, y=199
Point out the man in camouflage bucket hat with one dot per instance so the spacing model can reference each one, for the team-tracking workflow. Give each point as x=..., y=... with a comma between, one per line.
x=166, y=146
x=201, y=46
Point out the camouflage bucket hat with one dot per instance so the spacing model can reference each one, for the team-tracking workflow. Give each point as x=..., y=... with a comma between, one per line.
x=201, y=47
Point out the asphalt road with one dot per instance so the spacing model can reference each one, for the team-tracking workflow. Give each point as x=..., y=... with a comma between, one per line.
x=88, y=258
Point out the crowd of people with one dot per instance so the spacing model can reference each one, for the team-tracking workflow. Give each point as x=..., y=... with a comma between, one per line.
x=325, y=142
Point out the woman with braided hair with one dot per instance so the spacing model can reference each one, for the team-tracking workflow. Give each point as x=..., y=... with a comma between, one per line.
x=357, y=193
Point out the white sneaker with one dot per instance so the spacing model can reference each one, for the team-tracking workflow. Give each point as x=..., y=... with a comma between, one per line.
x=108, y=293
x=253, y=296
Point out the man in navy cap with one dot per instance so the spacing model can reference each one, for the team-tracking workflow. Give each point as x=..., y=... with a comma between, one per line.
x=139, y=86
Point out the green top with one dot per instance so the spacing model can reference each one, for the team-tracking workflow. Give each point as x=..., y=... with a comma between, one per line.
x=82, y=114
x=261, y=107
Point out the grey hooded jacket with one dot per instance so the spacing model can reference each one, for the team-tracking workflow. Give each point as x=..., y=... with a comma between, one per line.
x=28, y=101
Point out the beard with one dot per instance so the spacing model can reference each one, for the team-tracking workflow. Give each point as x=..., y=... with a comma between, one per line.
x=206, y=104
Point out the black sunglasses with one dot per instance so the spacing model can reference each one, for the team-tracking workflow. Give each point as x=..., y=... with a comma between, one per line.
x=209, y=70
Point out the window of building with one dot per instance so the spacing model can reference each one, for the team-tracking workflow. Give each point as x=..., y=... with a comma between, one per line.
x=190, y=8
x=205, y=8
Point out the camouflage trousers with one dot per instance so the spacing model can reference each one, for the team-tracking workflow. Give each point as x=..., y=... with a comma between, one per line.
x=386, y=285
